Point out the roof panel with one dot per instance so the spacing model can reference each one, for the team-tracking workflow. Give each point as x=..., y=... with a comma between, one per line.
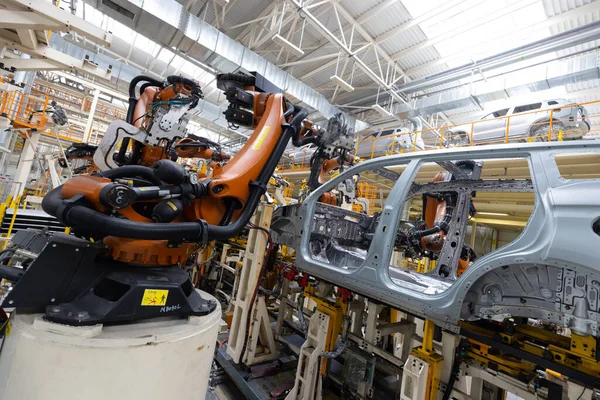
x=356, y=8
x=555, y=7
x=392, y=17
x=419, y=57
x=404, y=40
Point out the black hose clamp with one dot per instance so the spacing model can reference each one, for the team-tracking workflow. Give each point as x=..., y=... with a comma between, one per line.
x=258, y=184
x=62, y=211
x=203, y=234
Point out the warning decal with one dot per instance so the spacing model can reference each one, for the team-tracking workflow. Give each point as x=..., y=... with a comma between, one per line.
x=261, y=138
x=155, y=297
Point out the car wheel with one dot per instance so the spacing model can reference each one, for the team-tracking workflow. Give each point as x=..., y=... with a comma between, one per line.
x=585, y=131
x=540, y=133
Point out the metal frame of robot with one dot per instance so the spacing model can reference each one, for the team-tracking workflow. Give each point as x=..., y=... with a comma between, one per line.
x=559, y=232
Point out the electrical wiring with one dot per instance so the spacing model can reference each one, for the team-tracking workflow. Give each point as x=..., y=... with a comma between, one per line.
x=584, y=389
x=174, y=102
x=250, y=225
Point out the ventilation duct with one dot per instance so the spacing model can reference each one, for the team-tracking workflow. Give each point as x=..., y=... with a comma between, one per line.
x=205, y=112
x=204, y=43
x=548, y=76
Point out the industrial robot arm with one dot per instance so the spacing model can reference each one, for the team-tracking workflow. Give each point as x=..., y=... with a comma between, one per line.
x=164, y=202
x=335, y=143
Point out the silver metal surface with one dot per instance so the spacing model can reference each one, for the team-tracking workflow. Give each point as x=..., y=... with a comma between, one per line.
x=550, y=271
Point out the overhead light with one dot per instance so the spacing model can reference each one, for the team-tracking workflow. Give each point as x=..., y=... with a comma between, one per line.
x=289, y=46
x=381, y=110
x=492, y=213
x=222, y=3
x=342, y=83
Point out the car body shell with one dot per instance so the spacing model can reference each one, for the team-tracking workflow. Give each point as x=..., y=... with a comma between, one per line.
x=558, y=244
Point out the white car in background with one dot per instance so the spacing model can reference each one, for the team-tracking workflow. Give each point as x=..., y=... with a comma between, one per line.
x=525, y=122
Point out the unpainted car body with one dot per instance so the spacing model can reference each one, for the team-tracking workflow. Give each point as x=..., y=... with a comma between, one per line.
x=525, y=122
x=550, y=272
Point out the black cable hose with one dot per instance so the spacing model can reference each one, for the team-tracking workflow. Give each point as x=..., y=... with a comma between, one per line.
x=440, y=226
x=143, y=78
x=12, y=274
x=6, y=254
x=146, y=86
x=289, y=109
x=131, y=108
x=196, y=90
x=231, y=207
x=199, y=231
x=131, y=171
x=52, y=200
x=316, y=163
x=132, y=97
x=225, y=232
x=459, y=355
x=136, y=152
x=296, y=141
x=243, y=79
x=98, y=222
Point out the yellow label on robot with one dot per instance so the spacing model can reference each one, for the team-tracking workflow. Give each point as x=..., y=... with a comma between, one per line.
x=155, y=297
x=261, y=138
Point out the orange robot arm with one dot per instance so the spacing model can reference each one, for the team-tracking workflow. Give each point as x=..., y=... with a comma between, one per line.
x=168, y=205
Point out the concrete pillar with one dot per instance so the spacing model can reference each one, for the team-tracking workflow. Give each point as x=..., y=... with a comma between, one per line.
x=25, y=163
x=88, y=126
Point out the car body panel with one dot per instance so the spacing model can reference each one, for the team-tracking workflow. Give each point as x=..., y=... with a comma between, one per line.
x=558, y=244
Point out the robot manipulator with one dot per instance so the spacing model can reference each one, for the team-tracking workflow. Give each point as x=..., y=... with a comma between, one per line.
x=146, y=213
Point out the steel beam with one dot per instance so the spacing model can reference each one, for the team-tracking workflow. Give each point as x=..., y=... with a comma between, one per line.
x=11, y=19
x=67, y=21
x=62, y=60
x=31, y=64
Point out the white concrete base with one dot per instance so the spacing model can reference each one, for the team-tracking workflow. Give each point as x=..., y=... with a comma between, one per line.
x=151, y=360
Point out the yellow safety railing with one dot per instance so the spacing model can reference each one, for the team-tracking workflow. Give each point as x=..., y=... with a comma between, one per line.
x=11, y=203
x=367, y=191
x=79, y=101
x=508, y=129
x=26, y=111
x=421, y=266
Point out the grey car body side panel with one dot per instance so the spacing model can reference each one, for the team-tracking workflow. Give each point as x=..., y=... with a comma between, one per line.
x=558, y=243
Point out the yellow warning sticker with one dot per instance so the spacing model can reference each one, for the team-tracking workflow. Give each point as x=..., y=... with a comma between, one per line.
x=155, y=297
x=261, y=138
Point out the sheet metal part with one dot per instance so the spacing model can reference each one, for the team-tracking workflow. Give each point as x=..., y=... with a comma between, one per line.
x=550, y=265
